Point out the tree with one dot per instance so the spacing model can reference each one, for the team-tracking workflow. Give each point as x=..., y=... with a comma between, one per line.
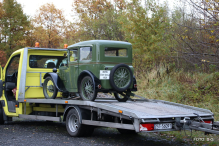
x=14, y=24
x=49, y=26
x=146, y=28
x=98, y=19
x=196, y=34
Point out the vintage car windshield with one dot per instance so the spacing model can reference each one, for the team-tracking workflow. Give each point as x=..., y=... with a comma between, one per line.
x=41, y=61
x=115, y=52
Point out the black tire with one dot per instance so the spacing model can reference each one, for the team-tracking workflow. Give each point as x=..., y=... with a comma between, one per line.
x=73, y=124
x=49, y=91
x=87, y=89
x=121, y=98
x=127, y=132
x=121, y=75
x=1, y=115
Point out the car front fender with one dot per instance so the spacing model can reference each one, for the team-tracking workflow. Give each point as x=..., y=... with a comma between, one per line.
x=57, y=80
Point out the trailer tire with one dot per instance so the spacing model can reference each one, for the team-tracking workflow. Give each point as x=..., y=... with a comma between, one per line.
x=73, y=123
x=49, y=91
x=126, y=131
x=1, y=115
x=121, y=77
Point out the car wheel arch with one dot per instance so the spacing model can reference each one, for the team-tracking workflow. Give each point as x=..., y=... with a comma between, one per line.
x=57, y=80
x=84, y=73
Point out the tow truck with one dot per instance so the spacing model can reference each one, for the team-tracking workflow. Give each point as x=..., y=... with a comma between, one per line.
x=22, y=96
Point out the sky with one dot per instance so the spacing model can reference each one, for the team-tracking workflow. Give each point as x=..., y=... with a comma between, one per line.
x=31, y=6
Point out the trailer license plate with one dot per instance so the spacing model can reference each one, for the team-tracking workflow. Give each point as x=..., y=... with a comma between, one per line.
x=163, y=126
x=104, y=74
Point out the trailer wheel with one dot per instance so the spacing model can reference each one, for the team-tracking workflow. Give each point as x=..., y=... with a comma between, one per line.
x=121, y=98
x=1, y=115
x=121, y=77
x=49, y=88
x=73, y=124
x=87, y=89
x=126, y=131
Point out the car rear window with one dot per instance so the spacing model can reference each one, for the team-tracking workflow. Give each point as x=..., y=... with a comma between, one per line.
x=115, y=52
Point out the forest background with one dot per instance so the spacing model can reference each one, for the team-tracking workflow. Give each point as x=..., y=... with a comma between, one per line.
x=175, y=53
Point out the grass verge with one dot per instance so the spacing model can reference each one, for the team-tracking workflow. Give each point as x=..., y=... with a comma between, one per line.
x=194, y=89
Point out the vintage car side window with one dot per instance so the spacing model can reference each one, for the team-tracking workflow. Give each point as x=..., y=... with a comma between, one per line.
x=13, y=66
x=115, y=52
x=73, y=56
x=41, y=61
x=85, y=53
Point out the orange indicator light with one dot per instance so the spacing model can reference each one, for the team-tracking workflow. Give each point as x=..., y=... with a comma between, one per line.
x=25, y=100
x=65, y=46
x=37, y=45
x=120, y=111
x=66, y=101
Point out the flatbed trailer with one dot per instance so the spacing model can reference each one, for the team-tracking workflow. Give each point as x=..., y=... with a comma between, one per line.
x=81, y=117
x=135, y=115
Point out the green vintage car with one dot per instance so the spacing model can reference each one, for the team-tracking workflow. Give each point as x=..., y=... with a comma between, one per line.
x=91, y=67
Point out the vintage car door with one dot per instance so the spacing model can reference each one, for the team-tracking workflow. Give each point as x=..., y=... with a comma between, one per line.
x=73, y=68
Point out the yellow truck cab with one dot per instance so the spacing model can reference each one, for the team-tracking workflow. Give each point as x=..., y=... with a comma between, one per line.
x=22, y=76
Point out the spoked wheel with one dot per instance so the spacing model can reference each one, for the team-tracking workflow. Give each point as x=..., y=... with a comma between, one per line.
x=87, y=89
x=49, y=88
x=121, y=98
x=121, y=77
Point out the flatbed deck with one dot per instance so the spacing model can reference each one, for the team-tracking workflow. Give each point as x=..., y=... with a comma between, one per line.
x=137, y=109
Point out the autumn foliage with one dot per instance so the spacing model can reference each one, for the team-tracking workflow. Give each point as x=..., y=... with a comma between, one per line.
x=177, y=38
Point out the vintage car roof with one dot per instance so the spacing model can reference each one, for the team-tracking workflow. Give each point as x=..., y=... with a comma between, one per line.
x=98, y=42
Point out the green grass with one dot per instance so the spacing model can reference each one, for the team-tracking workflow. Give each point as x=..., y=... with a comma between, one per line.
x=194, y=89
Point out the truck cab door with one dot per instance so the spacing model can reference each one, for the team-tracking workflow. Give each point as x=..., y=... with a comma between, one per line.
x=1, y=83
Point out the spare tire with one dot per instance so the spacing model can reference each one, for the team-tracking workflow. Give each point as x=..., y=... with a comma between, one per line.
x=121, y=77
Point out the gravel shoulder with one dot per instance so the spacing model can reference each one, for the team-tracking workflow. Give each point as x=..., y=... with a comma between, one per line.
x=51, y=133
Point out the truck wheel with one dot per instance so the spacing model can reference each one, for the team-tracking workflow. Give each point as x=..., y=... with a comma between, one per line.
x=126, y=131
x=87, y=89
x=73, y=124
x=1, y=115
x=121, y=77
x=121, y=98
x=49, y=88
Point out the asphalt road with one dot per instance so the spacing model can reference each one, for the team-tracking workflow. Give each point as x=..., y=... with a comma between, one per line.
x=34, y=133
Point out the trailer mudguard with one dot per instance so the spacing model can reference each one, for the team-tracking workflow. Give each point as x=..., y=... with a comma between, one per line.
x=68, y=107
x=84, y=73
x=58, y=82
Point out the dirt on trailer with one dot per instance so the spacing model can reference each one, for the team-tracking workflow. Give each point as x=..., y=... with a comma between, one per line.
x=24, y=132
